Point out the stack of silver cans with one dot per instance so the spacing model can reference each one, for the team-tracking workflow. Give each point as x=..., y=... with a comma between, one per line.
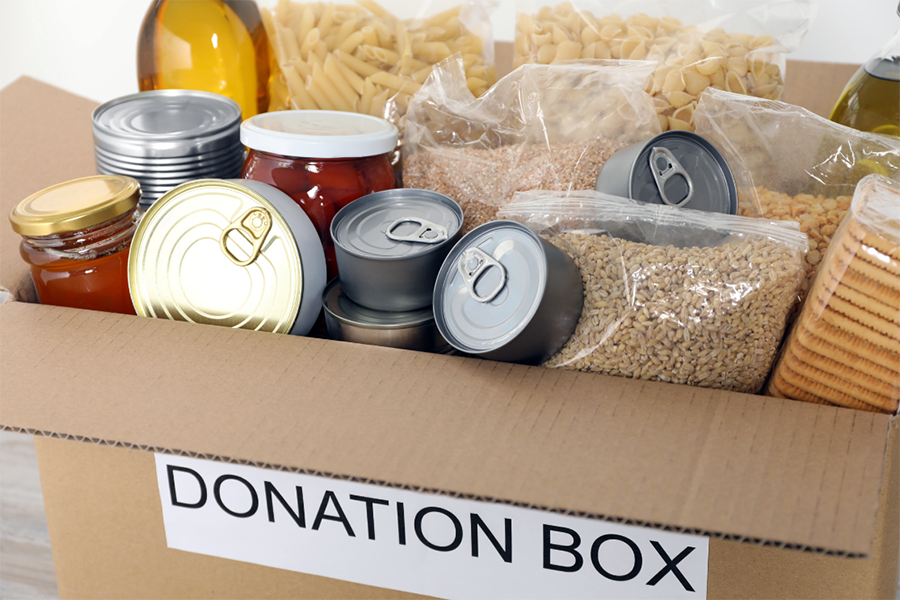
x=164, y=138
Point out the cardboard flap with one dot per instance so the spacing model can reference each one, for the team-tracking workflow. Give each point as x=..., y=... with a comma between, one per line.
x=736, y=465
x=46, y=139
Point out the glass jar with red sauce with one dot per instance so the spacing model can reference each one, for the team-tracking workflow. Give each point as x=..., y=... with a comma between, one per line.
x=322, y=159
x=76, y=237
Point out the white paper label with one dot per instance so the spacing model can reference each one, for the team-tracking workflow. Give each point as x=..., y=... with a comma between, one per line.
x=415, y=542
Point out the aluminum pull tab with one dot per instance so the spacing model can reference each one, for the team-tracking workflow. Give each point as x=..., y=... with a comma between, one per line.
x=254, y=225
x=670, y=168
x=472, y=265
x=427, y=233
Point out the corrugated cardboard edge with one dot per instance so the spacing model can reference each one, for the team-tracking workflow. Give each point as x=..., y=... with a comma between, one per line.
x=438, y=492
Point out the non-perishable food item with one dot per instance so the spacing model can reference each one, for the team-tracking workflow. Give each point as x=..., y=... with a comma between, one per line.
x=676, y=168
x=167, y=137
x=504, y=293
x=790, y=164
x=235, y=253
x=76, y=237
x=844, y=348
x=321, y=159
x=390, y=245
x=695, y=45
x=709, y=312
x=347, y=321
x=212, y=45
x=540, y=127
x=360, y=57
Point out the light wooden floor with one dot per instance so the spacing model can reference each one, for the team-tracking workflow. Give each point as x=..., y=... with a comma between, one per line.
x=26, y=564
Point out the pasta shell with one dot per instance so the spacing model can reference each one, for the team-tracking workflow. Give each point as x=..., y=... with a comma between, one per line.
x=679, y=99
x=694, y=81
x=708, y=66
x=678, y=124
x=735, y=84
x=673, y=82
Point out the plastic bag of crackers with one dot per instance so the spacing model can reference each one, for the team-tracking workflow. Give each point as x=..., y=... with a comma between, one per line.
x=695, y=44
x=844, y=348
x=671, y=294
x=546, y=127
x=371, y=58
x=791, y=164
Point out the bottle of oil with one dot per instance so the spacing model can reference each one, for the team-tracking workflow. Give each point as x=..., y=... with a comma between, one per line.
x=871, y=100
x=211, y=45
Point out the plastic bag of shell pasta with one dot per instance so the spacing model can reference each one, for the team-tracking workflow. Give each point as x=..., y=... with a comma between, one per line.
x=671, y=294
x=540, y=127
x=791, y=164
x=734, y=45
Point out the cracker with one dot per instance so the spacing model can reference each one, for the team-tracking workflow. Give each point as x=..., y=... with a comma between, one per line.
x=870, y=238
x=863, y=284
x=809, y=346
x=847, y=381
x=856, y=262
x=858, y=329
x=871, y=255
x=813, y=391
x=890, y=328
x=859, y=298
x=795, y=393
x=839, y=337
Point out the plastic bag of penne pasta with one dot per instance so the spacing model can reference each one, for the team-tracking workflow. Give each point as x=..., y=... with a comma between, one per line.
x=371, y=58
x=731, y=45
x=791, y=164
x=540, y=127
x=670, y=294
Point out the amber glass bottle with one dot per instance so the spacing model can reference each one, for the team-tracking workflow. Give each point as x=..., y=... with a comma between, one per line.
x=871, y=100
x=210, y=45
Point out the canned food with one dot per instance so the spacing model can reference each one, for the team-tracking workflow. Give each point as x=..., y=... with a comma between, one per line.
x=164, y=138
x=675, y=168
x=504, y=293
x=234, y=253
x=348, y=321
x=390, y=245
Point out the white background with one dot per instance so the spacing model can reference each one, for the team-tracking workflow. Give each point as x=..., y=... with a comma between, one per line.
x=88, y=46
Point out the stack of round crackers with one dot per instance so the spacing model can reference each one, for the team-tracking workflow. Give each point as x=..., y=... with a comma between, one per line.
x=844, y=348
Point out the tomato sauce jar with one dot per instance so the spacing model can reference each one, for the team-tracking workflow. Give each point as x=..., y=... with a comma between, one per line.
x=76, y=236
x=322, y=159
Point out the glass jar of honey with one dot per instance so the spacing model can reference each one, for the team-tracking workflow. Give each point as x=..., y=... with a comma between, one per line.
x=322, y=159
x=76, y=237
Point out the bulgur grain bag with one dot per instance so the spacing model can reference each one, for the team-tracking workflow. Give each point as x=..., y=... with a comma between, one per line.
x=695, y=44
x=709, y=309
x=540, y=127
x=791, y=164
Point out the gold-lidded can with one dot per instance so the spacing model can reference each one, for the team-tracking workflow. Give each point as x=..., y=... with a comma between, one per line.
x=235, y=253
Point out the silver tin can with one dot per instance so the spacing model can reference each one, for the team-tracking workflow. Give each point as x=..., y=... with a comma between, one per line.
x=164, y=138
x=504, y=293
x=390, y=245
x=234, y=253
x=675, y=168
x=348, y=321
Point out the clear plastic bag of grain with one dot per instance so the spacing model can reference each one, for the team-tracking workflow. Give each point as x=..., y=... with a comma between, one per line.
x=738, y=46
x=791, y=164
x=540, y=127
x=671, y=294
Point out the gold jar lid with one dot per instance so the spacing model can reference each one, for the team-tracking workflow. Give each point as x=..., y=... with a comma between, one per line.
x=219, y=253
x=75, y=205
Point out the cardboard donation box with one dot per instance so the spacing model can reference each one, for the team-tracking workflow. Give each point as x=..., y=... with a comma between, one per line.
x=189, y=461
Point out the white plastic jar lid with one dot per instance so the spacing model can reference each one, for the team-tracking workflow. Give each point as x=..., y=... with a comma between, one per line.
x=319, y=134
